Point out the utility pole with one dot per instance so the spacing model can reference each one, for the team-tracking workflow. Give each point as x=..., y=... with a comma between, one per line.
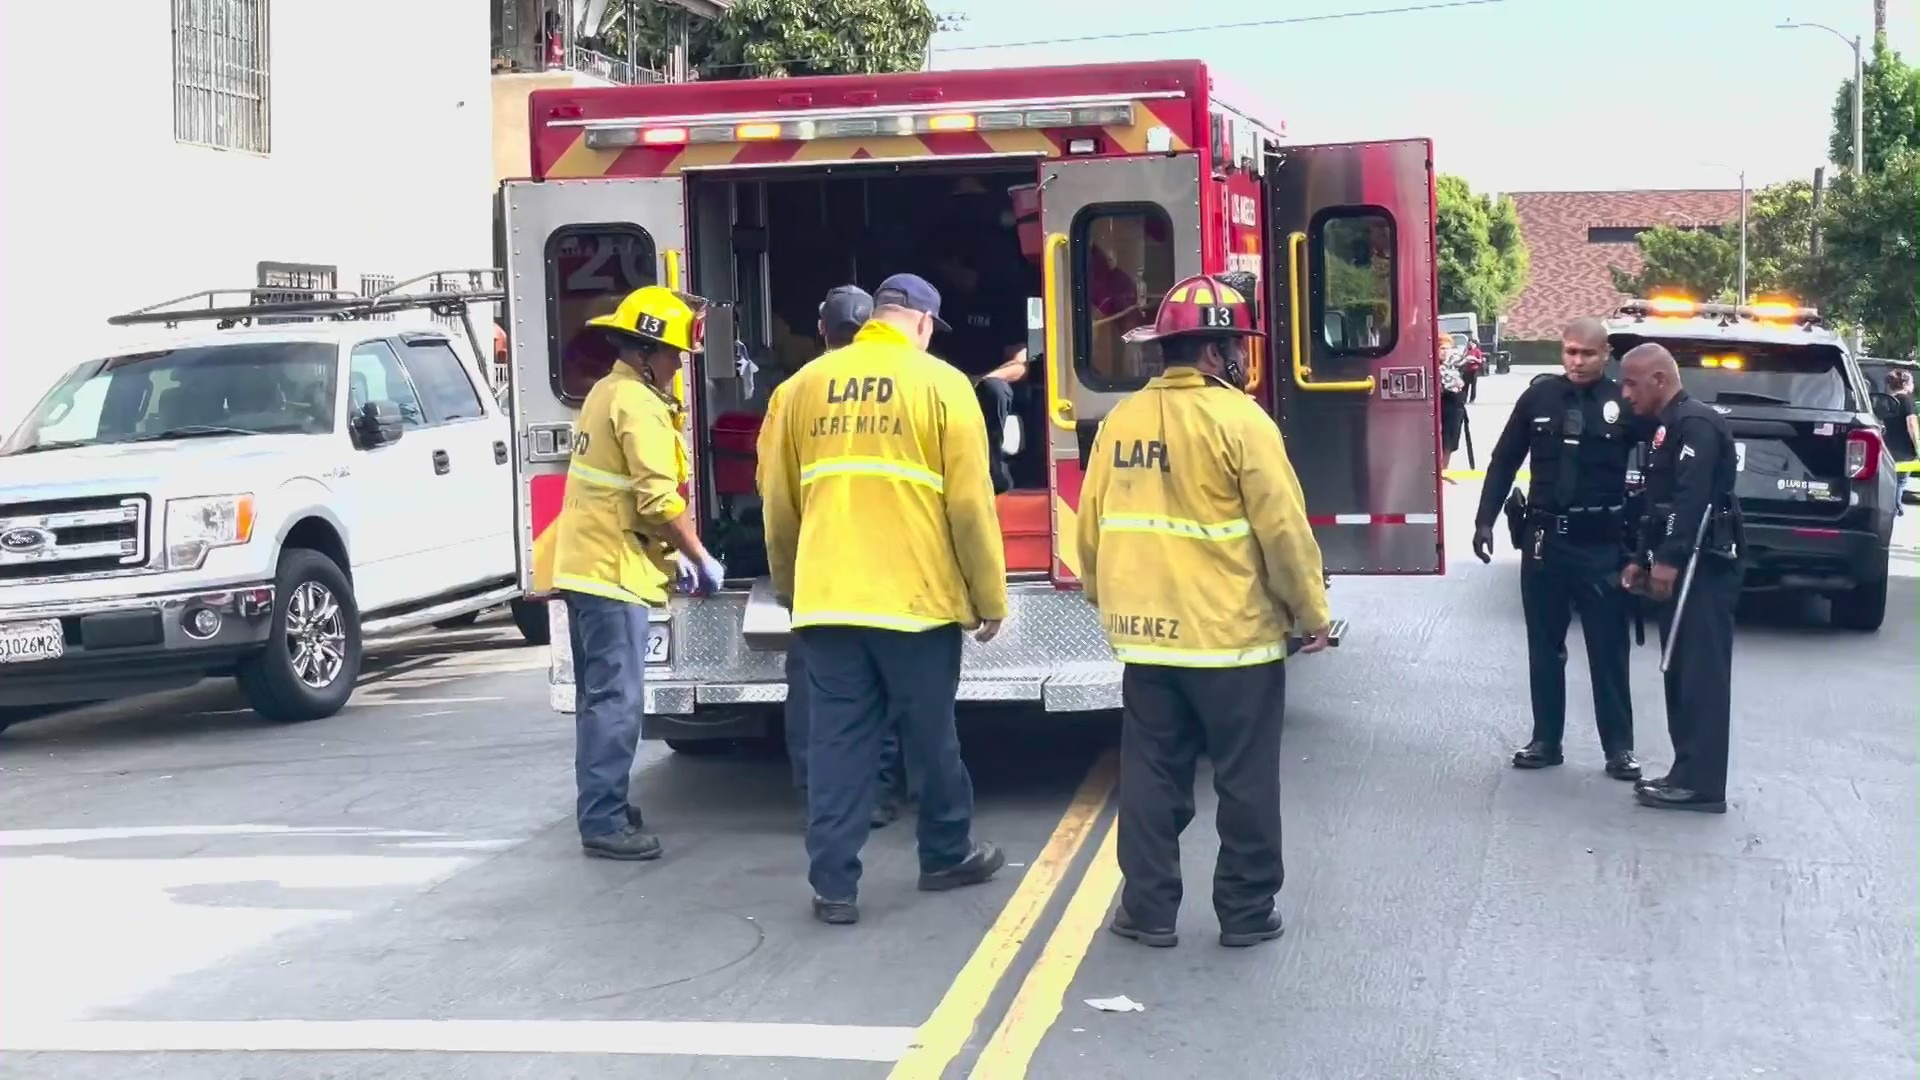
x=1743, y=236
x=1819, y=198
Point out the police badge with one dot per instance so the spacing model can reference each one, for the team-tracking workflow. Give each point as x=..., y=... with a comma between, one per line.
x=1660, y=436
x=1610, y=412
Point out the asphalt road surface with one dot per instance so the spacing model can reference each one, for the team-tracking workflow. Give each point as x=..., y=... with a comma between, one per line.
x=397, y=891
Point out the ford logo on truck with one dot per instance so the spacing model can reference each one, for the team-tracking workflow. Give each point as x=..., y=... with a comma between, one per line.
x=25, y=540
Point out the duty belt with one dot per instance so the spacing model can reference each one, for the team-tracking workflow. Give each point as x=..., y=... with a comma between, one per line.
x=1582, y=523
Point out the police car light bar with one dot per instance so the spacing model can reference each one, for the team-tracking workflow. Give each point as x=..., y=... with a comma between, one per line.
x=906, y=120
x=1673, y=307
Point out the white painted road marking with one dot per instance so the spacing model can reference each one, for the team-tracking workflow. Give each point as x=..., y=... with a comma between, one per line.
x=718, y=1039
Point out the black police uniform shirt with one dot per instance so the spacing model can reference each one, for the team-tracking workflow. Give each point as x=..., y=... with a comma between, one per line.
x=991, y=319
x=1691, y=470
x=1607, y=431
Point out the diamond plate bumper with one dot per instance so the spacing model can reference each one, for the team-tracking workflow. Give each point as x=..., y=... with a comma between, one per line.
x=1051, y=652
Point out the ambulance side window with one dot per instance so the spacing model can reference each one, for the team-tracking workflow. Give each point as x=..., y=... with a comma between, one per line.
x=590, y=269
x=1122, y=266
x=1355, y=303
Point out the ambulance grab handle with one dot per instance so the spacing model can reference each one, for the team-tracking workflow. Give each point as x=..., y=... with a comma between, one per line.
x=1059, y=409
x=1296, y=292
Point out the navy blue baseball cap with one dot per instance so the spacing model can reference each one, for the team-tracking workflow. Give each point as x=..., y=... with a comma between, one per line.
x=913, y=292
x=845, y=310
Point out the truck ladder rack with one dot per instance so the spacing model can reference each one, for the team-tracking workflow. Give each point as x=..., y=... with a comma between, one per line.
x=447, y=297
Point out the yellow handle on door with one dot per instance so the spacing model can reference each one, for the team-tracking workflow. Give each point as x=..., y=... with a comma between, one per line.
x=1296, y=292
x=1059, y=338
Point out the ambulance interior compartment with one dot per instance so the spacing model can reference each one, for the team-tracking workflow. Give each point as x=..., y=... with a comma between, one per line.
x=771, y=245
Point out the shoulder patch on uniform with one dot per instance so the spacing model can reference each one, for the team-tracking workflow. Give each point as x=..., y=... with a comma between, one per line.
x=1542, y=377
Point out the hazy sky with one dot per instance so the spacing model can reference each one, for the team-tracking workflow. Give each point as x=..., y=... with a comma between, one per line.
x=1518, y=95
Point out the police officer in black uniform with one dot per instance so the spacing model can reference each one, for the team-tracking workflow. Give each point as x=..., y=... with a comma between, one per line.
x=1572, y=532
x=1693, y=519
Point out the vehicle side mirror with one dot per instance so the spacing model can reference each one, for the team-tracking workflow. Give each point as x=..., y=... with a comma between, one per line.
x=378, y=424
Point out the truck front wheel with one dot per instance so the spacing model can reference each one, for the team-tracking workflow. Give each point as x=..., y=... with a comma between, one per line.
x=312, y=655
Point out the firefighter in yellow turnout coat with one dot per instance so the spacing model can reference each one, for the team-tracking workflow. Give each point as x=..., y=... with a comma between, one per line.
x=624, y=534
x=1194, y=544
x=881, y=530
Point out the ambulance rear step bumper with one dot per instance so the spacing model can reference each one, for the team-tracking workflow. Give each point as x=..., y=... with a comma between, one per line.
x=1051, y=652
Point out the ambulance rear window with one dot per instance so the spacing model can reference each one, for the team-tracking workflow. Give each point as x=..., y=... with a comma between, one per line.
x=590, y=269
x=1353, y=281
x=1122, y=266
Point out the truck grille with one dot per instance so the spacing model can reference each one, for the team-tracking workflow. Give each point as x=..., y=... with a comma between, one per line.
x=69, y=537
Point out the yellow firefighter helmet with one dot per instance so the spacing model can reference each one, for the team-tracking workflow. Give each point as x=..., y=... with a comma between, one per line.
x=656, y=313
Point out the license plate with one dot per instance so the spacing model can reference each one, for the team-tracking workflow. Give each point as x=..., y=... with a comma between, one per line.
x=658, y=638
x=23, y=643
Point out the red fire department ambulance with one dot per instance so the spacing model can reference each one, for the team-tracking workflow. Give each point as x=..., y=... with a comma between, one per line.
x=1112, y=182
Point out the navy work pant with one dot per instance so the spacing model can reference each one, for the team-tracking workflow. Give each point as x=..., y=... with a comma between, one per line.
x=1699, y=678
x=860, y=677
x=891, y=782
x=996, y=404
x=1583, y=577
x=1170, y=716
x=609, y=641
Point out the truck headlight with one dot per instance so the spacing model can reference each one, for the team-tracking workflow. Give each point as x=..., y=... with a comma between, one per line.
x=197, y=526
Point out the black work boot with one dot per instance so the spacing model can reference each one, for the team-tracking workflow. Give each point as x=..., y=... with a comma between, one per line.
x=981, y=863
x=1654, y=782
x=629, y=843
x=1265, y=930
x=836, y=912
x=1622, y=765
x=1679, y=798
x=1538, y=755
x=1124, y=925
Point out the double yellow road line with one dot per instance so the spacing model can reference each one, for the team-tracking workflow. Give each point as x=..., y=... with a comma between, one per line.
x=1036, y=1005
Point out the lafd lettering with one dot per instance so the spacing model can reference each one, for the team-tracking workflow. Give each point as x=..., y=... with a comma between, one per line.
x=877, y=389
x=1152, y=627
x=1141, y=454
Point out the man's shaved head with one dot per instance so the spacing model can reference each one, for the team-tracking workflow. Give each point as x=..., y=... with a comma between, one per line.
x=1588, y=331
x=1649, y=378
x=1583, y=351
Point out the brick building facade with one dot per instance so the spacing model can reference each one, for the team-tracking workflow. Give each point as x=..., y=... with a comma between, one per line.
x=1576, y=237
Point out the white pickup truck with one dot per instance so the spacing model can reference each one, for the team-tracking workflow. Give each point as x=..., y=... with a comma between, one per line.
x=254, y=501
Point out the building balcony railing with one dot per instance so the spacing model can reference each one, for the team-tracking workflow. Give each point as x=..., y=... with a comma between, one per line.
x=528, y=58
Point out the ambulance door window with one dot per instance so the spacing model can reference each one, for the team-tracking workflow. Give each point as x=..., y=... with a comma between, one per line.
x=1355, y=305
x=590, y=269
x=1122, y=266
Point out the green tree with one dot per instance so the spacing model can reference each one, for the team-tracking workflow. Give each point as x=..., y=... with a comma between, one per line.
x=1892, y=122
x=1482, y=258
x=1780, y=242
x=772, y=38
x=1869, y=259
x=1698, y=263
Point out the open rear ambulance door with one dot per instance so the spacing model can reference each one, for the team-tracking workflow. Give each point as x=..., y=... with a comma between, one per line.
x=1350, y=268
x=575, y=249
x=1119, y=233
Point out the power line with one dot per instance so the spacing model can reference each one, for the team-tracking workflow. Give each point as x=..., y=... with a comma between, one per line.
x=1293, y=20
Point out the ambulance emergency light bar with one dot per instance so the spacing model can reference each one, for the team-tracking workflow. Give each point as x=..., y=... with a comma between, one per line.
x=1104, y=111
x=1677, y=307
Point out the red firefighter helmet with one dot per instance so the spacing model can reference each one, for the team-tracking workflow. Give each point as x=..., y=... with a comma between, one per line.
x=1199, y=306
